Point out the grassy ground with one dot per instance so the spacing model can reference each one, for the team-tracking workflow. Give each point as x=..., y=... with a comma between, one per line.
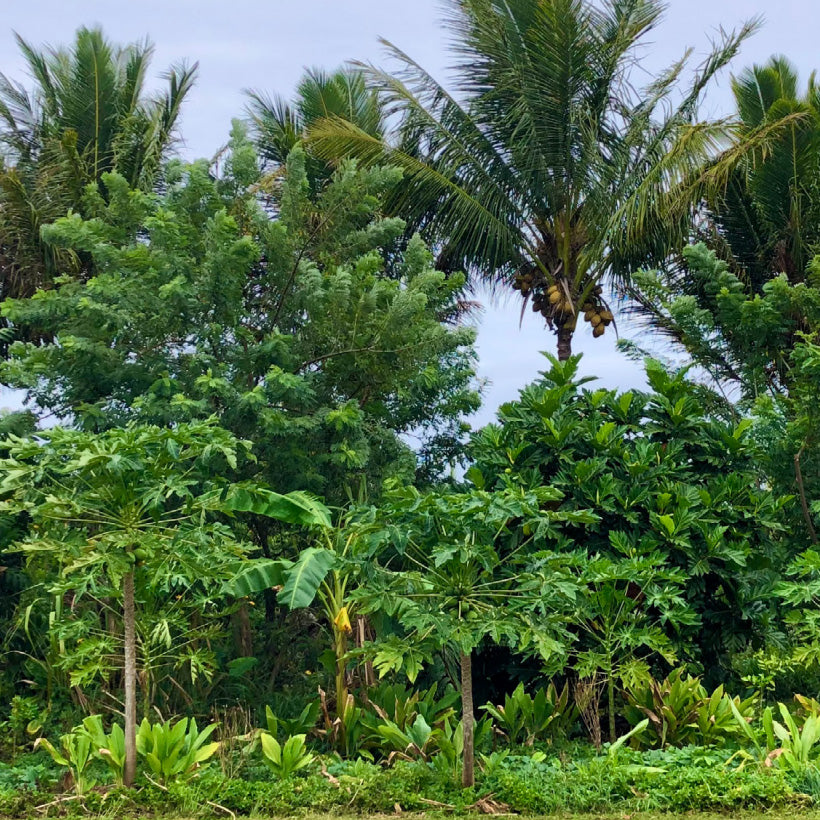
x=778, y=814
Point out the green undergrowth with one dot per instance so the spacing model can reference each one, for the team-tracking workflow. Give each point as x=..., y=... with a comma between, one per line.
x=684, y=780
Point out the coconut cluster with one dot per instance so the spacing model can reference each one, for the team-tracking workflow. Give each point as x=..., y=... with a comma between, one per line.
x=555, y=305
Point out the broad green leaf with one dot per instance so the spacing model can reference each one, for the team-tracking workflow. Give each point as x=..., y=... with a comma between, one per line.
x=302, y=580
x=257, y=575
x=297, y=507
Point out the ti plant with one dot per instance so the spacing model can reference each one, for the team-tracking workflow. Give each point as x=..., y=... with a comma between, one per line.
x=286, y=758
x=76, y=753
x=110, y=747
x=175, y=752
x=525, y=718
x=788, y=745
x=680, y=711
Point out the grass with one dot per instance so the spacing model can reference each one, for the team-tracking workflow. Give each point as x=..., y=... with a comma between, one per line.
x=776, y=814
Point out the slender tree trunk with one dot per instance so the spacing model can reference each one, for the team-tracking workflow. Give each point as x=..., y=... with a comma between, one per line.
x=130, y=680
x=798, y=472
x=610, y=687
x=243, y=631
x=467, y=721
x=340, y=639
x=564, y=343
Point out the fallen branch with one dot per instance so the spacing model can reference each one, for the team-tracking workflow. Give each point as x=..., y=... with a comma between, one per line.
x=57, y=802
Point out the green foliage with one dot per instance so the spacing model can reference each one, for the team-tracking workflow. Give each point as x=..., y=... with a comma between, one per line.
x=137, y=500
x=279, y=126
x=666, y=492
x=88, y=112
x=414, y=742
x=466, y=578
x=796, y=742
x=535, y=197
x=449, y=760
x=76, y=753
x=680, y=712
x=287, y=758
x=302, y=724
x=790, y=745
x=525, y=718
x=755, y=338
x=110, y=747
x=400, y=705
x=175, y=751
x=314, y=334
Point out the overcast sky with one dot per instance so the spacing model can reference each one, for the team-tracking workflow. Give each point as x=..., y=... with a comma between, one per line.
x=265, y=44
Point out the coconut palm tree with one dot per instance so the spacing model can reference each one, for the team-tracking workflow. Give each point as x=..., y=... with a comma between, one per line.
x=545, y=170
x=88, y=113
x=767, y=220
x=762, y=221
x=280, y=125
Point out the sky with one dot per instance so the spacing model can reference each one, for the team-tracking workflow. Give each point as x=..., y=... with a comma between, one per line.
x=266, y=46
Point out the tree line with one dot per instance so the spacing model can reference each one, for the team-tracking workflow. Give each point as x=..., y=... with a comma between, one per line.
x=243, y=468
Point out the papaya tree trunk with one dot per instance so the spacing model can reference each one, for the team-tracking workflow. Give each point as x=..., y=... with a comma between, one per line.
x=130, y=679
x=467, y=721
x=610, y=686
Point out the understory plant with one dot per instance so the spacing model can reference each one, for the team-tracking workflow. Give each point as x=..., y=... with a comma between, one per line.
x=525, y=718
x=284, y=759
x=175, y=751
x=680, y=711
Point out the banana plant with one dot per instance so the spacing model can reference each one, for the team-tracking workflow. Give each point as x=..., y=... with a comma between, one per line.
x=320, y=573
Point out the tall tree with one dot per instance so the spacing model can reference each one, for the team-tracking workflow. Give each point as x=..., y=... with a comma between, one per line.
x=670, y=484
x=279, y=125
x=303, y=333
x=760, y=225
x=88, y=113
x=545, y=170
x=765, y=221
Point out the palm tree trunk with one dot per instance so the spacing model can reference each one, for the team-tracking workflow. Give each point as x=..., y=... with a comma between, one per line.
x=467, y=721
x=564, y=343
x=130, y=680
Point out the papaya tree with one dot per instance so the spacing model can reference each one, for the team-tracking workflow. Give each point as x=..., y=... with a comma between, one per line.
x=457, y=570
x=133, y=510
x=620, y=611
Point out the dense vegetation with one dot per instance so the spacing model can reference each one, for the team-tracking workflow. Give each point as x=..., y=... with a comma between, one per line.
x=254, y=559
